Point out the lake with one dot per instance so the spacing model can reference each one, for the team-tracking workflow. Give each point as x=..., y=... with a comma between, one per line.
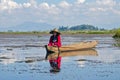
x=22, y=58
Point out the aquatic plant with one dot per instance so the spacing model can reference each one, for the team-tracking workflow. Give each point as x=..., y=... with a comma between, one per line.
x=117, y=33
x=117, y=42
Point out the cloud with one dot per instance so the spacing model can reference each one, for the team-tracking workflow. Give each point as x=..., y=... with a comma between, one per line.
x=64, y=4
x=80, y=1
x=106, y=2
x=26, y=5
x=33, y=3
x=62, y=13
x=44, y=5
x=47, y=9
x=8, y=4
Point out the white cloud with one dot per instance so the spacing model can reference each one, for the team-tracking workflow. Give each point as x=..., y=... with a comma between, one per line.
x=106, y=2
x=64, y=4
x=97, y=9
x=33, y=3
x=26, y=5
x=49, y=9
x=80, y=1
x=54, y=10
x=13, y=4
x=44, y=5
x=107, y=6
x=8, y=4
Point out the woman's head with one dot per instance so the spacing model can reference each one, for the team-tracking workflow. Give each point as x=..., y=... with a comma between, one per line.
x=55, y=32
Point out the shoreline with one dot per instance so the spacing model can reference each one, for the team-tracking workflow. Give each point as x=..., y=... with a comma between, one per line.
x=47, y=33
x=64, y=35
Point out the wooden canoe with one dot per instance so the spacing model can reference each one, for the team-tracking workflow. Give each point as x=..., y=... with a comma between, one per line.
x=85, y=52
x=71, y=47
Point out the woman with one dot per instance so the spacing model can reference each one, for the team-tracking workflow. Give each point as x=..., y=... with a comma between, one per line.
x=55, y=39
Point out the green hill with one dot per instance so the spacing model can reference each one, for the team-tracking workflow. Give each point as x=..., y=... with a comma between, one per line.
x=80, y=27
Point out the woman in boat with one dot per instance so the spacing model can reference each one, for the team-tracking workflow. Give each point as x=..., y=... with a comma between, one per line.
x=55, y=41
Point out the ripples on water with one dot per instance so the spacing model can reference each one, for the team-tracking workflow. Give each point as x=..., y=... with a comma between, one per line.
x=22, y=57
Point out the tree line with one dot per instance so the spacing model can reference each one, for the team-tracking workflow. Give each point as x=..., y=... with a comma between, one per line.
x=80, y=27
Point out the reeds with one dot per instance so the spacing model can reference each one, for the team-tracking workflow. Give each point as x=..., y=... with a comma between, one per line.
x=117, y=33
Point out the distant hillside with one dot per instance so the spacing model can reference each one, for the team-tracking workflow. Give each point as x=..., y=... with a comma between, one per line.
x=29, y=26
x=80, y=27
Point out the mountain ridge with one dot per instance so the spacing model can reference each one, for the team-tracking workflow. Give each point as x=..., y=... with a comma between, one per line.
x=29, y=26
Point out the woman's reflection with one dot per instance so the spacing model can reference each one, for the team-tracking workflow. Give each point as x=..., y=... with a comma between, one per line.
x=55, y=64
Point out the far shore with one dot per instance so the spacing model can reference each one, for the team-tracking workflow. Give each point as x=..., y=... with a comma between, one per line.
x=39, y=34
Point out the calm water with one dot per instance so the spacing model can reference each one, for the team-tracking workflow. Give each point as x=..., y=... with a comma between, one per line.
x=22, y=58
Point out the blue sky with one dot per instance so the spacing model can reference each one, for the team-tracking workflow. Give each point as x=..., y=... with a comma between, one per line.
x=101, y=13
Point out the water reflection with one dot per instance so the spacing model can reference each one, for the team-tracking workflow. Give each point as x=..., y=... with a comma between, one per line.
x=55, y=58
x=55, y=64
x=86, y=52
x=7, y=61
x=54, y=61
x=19, y=55
x=81, y=63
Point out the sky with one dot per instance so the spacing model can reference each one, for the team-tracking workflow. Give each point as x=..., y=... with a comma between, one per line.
x=100, y=13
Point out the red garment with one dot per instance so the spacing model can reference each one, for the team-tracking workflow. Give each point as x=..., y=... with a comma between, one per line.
x=55, y=62
x=57, y=43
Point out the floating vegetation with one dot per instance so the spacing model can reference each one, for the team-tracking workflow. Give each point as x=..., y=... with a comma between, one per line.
x=117, y=34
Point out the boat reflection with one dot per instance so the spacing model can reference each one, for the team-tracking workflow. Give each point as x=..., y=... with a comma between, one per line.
x=55, y=58
x=85, y=52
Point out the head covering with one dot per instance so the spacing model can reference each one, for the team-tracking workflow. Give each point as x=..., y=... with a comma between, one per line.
x=54, y=30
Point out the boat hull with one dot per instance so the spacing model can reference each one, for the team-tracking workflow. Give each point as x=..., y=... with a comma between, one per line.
x=68, y=49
